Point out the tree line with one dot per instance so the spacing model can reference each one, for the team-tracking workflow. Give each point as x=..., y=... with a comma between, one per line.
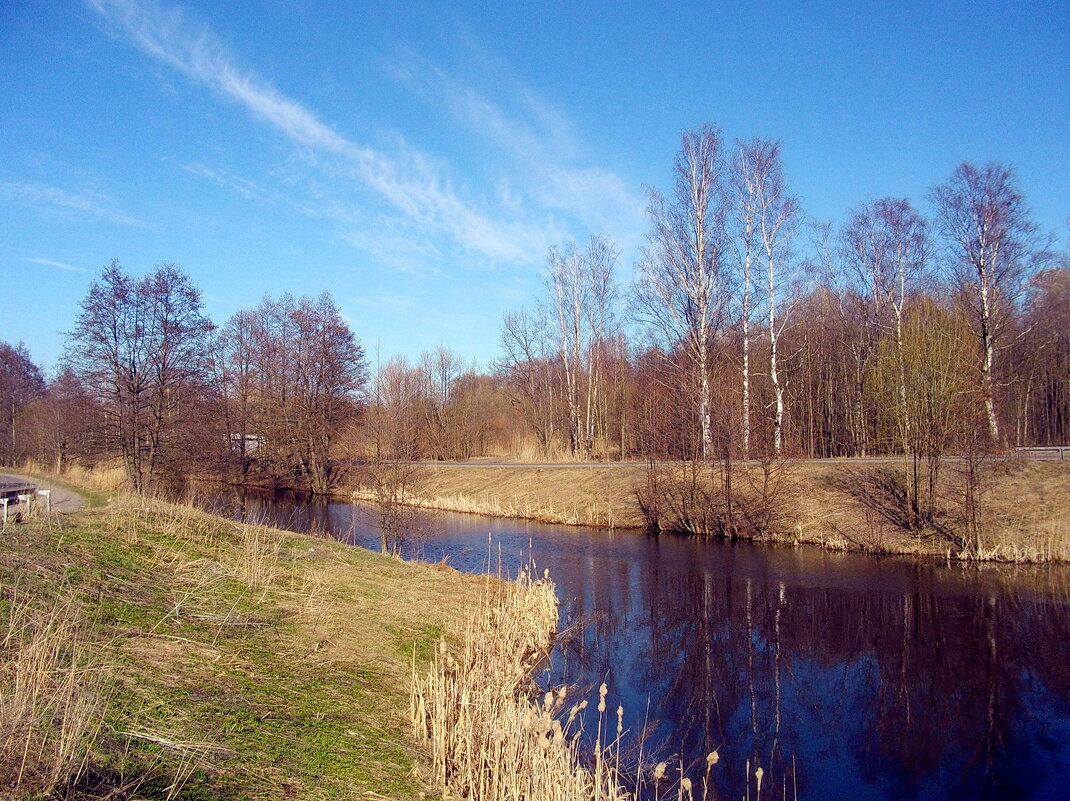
x=748, y=332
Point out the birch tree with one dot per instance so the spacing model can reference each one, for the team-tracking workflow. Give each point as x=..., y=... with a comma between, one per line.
x=747, y=246
x=680, y=288
x=581, y=291
x=990, y=239
x=769, y=217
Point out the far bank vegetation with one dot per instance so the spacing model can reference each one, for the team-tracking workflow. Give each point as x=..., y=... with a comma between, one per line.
x=751, y=336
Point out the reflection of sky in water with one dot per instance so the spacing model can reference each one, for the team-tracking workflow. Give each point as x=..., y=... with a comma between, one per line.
x=854, y=677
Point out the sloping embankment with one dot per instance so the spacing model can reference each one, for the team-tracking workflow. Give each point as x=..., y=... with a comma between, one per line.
x=155, y=651
x=1025, y=506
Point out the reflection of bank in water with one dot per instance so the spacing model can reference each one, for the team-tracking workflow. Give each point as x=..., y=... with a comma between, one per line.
x=850, y=675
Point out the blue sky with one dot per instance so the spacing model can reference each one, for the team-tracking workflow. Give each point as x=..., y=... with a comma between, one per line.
x=417, y=159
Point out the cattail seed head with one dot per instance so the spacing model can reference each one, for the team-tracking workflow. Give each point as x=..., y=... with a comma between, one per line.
x=685, y=784
x=711, y=759
x=603, y=690
x=659, y=771
x=758, y=775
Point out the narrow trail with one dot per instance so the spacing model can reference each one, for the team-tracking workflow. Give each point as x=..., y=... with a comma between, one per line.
x=63, y=499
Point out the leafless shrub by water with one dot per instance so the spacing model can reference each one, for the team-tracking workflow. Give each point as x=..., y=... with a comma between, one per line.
x=956, y=513
x=719, y=499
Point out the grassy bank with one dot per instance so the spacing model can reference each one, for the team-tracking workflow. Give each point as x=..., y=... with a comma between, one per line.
x=153, y=651
x=1024, y=506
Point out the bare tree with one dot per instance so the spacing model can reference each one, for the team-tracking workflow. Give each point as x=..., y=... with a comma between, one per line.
x=1043, y=357
x=527, y=363
x=747, y=246
x=296, y=377
x=235, y=374
x=21, y=383
x=769, y=217
x=885, y=244
x=141, y=348
x=680, y=288
x=62, y=425
x=581, y=296
x=991, y=239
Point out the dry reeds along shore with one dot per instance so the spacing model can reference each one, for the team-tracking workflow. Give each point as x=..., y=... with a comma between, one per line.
x=494, y=736
x=488, y=737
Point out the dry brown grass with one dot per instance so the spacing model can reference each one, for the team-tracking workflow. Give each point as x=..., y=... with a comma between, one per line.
x=581, y=495
x=52, y=699
x=239, y=659
x=102, y=477
x=489, y=737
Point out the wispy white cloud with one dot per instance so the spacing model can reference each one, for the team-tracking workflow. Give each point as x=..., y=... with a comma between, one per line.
x=409, y=181
x=90, y=204
x=542, y=151
x=59, y=265
x=243, y=186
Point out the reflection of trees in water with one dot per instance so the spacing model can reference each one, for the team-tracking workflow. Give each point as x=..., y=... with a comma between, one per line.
x=920, y=690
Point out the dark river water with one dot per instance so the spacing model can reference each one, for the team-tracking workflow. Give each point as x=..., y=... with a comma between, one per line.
x=841, y=676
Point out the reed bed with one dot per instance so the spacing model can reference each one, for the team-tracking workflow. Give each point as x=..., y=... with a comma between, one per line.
x=489, y=733
x=493, y=736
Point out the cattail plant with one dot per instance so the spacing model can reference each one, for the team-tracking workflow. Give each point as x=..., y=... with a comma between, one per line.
x=489, y=736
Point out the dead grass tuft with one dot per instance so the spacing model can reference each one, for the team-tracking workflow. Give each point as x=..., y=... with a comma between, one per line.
x=52, y=699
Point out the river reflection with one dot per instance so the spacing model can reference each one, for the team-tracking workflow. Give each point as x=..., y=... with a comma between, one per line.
x=841, y=676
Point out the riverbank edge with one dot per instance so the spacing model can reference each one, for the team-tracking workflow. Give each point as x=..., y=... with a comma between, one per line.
x=1026, y=506
x=230, y=660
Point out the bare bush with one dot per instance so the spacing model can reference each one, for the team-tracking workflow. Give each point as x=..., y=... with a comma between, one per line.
x=726, y=500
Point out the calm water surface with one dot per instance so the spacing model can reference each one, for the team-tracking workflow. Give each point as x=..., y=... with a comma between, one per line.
x=841, y=676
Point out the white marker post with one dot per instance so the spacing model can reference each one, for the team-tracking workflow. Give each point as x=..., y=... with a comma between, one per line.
x=47, y=495
x=5, y=502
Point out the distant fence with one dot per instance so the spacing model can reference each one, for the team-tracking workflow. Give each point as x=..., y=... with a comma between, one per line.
x=1049, y=452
